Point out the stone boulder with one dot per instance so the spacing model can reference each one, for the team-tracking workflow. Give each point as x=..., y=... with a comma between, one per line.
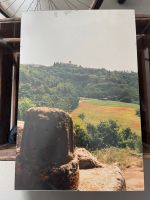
x=66, y=176
x=48, y=160
x=86, y=159
x=95, y=176
x=20, y=127
x=108, y=178
x=47, y=151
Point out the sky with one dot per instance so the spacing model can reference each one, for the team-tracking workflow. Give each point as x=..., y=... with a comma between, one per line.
x=97, y=39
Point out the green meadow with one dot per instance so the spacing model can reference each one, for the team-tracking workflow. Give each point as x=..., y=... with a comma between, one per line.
x=96, y=111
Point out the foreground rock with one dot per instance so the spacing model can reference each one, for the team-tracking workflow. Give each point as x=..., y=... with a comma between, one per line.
x=86, y=159
x=95, y=176
x=108, y=178
x=20, y=128
x=46, y=159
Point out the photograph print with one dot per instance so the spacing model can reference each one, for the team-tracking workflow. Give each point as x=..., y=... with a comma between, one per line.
x=79, y=105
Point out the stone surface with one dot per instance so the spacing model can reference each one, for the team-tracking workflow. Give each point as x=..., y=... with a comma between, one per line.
x=20, y=128
x=48, y=136
x=63, y=177
x=66, y=176
x=48, y=160
x=108, y=178
x=86, y=159
x=47, y=144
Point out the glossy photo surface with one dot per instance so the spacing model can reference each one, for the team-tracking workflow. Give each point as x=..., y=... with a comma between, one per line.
x=79, y=123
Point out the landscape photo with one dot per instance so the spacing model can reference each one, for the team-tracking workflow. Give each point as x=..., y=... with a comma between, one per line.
x=79, y=123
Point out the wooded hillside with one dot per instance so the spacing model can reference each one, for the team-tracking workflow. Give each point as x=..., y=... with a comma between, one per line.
x=61, y=85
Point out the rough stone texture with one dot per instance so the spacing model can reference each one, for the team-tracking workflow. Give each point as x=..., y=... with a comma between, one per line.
x=65, y=176
x=108, y=178
x=38, y=166
x=48, y=136
x=86, y=159
x=47, y=144
x=20, y=127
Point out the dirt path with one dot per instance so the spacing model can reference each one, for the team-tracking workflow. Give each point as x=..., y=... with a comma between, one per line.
x=134, y=177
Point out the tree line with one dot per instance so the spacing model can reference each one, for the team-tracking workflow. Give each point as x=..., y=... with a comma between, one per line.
x=61, y=85
x=107, y=134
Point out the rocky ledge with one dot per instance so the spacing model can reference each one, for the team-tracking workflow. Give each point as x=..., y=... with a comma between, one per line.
x=78, y=170
x=107, y=178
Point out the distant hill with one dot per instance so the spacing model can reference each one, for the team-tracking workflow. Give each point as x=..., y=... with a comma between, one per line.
x=61, y=85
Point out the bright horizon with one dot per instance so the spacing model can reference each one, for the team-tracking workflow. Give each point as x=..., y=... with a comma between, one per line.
x=94, y=39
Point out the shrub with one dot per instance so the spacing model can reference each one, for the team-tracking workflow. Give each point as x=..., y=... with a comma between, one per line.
x=127, y=133
x=108, y=131
x=82, y=116
x=91, y=129
x=105, y=135
x=23, y=105
x=138, y=113
x=82, y=138
x=130, y=139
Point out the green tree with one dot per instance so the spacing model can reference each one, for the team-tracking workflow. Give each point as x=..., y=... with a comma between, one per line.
x=108, y=130
x=127, y=133
x=130, y=139
x=91, y=129
x=23, y=105
x=81, y=116
x=83, y=139
x=138, y=113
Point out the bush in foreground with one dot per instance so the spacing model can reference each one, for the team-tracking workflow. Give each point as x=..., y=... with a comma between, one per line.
x=105, y=135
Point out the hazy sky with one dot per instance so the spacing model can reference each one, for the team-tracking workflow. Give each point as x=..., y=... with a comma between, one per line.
x=98, y=38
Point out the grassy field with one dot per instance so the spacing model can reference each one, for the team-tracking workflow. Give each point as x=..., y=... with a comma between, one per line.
x=96, y=111
x=123, y=158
